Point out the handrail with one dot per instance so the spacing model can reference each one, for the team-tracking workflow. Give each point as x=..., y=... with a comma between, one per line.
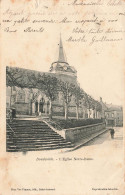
x=56, y=124
x=11, y=128
x=51, y=121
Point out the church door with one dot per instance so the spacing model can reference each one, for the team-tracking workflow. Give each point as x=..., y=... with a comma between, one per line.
x=41, y=105
x=36, y=107
x=48, y=107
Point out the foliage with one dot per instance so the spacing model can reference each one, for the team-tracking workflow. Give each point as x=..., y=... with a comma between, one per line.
x=71, y=123
x=78, y=93
x=67, y=90
x=32, y=79
x=23, y=78
x=50, y=86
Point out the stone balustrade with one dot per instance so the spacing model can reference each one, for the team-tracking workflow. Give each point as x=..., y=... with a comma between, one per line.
x=75, y=134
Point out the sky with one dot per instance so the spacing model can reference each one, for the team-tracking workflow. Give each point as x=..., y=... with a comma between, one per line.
x=100, y=67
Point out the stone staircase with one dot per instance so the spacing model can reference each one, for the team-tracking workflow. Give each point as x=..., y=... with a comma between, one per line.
x=31, y=135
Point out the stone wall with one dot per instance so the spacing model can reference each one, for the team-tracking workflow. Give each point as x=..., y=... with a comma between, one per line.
x=75, y=134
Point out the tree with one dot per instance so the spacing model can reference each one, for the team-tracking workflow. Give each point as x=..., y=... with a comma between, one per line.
x=24, y=78
x=78, y=94
x=98, y=107
x=88, y=102
x=51, y=90
x=91, y=105
x=67, y=90
x=14, y=77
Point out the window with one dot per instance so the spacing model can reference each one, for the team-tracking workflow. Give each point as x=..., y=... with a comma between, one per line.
x=112, y=115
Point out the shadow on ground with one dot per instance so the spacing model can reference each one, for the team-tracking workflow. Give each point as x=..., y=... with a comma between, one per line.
x=100, y=139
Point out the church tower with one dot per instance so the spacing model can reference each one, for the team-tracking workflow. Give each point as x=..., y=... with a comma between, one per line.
x=61, y=67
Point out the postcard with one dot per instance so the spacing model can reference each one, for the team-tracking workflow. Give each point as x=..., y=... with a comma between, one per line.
x=62, y=97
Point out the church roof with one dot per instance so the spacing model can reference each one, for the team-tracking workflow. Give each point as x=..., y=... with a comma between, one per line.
x=112, y=107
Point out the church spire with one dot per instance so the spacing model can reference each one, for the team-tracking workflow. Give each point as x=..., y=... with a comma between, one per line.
x=61, y=67
x=62, y=57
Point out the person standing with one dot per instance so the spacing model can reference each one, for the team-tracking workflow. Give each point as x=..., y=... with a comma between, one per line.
x=10, y=114
x=112, y=132
x=13, y=113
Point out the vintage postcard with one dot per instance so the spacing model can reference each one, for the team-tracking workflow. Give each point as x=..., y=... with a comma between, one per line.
x=62, y=97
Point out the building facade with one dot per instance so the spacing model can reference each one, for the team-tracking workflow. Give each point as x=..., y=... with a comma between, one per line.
x=112, y=114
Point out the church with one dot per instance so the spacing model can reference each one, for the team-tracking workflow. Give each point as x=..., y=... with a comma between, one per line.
x=20, y=98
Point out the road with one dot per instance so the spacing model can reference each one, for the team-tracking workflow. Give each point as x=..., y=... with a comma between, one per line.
x=105, y=171
x=106, y=139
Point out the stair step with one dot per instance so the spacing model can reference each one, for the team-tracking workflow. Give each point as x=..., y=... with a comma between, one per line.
x=33, y=136
x=37, y=149
x=28, y=128
x=38, y=146
x=26, y=124
x=31, y=131
x=39, y=142
x=36, y=141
